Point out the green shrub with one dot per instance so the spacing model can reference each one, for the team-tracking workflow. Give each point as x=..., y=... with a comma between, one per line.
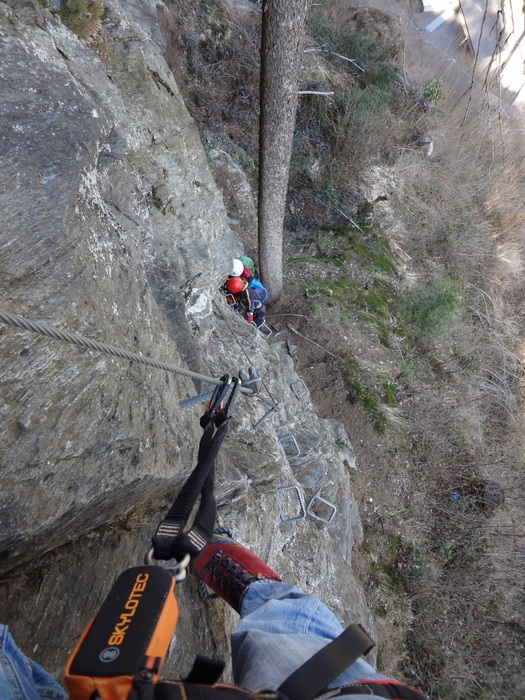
x=434, y=91
x=82, y=16
x=361, y=115
x=364, y=57
x=431, y=310
x=363, y=111
x=389, y=394
x=382, y=75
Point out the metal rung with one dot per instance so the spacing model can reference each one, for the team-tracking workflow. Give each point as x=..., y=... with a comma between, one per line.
x=296, y=392
x=261, y=420
x=265, y=330
x=290, y=437
x=281, y=505
x=248, y=383
x=311, y=513
x=192, y=400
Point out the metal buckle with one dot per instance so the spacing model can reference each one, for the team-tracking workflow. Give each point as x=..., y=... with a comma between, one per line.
x=178, y=571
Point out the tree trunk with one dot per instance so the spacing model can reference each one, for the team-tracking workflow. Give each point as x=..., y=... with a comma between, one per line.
x=283, y=28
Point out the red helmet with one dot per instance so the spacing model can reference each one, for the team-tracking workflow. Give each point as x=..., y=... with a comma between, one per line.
x=235, y=285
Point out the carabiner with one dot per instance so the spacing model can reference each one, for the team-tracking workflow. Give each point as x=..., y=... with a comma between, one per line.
x=232, y=398
x=218, y=396
x=178, y=571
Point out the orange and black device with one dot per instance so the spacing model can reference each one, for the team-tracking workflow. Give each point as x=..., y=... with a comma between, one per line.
x=128, y=639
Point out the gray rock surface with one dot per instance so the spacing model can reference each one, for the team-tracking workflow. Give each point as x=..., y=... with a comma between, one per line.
x=238, y=197
x=112, y=226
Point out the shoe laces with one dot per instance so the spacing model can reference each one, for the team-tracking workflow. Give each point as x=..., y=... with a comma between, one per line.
x=228, y=573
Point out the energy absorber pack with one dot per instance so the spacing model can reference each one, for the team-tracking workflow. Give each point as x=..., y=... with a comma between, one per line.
x=127, y=639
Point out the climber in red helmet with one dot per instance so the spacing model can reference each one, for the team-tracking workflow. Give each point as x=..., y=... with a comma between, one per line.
x=246, y=299
x=235, y=285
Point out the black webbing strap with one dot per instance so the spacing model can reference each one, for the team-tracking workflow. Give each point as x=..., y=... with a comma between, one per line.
x=316, y=673
x=169, y=541
x=142, y=691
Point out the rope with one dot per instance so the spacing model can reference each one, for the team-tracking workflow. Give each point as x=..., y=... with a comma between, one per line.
x=80, y=341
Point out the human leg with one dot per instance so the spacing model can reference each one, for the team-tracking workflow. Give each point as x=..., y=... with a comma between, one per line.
x=281, y=627
x=21, y=678
x=228, y=569
x=259, y=315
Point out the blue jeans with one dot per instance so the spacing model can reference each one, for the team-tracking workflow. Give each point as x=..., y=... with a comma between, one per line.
x=21, y=678
x=280, y=628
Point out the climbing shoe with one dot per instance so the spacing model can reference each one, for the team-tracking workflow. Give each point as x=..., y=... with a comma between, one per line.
x=228, y=569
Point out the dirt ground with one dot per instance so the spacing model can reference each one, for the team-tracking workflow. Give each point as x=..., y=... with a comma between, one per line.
x=407, y=469
x=318, y=341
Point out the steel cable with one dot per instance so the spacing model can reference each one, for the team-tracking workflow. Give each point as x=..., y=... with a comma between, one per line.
x=81, y=341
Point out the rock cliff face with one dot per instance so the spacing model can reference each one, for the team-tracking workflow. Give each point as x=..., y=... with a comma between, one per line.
x=112, y=226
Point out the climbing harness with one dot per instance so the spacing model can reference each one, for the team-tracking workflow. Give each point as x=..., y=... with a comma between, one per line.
x=308, y=682
x=170, y=540
x=120, y=654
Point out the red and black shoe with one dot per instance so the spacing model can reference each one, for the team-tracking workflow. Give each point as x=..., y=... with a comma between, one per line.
x=228, y=569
